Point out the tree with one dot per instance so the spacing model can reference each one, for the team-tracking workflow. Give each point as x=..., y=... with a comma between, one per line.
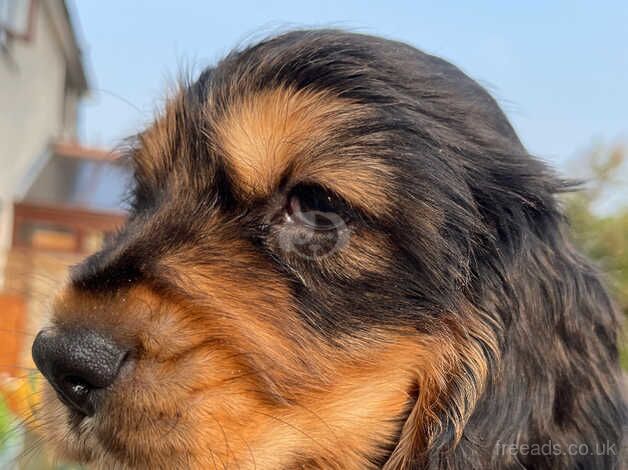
x=600, y=228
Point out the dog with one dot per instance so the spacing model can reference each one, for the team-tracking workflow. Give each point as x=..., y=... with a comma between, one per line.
x=338, y=256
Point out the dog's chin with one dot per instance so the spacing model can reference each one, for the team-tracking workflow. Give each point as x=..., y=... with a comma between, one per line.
x=70, y=435
x=75, y=437
x=125, y=434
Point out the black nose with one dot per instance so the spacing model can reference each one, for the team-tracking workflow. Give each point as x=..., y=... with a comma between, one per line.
x=78, y=364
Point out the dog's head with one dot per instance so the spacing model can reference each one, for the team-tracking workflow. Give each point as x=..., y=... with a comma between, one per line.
x=299, y=281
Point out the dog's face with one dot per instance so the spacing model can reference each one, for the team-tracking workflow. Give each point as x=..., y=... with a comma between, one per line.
x=290, y=288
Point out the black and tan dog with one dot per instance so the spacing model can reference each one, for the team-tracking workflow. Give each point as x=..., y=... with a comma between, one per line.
x=339, y=256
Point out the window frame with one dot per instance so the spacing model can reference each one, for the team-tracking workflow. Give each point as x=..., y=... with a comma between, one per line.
x=7, y=33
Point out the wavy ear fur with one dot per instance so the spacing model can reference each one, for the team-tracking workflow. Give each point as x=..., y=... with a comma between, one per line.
x=449, y=384
x=533, y=334
x=534, y=360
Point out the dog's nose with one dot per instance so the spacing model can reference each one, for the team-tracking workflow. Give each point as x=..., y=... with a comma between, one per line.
x=78, y=364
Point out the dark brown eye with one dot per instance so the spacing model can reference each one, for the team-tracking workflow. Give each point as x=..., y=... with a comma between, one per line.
x=314, y=207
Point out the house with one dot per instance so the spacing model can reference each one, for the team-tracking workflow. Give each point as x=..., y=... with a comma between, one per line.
x=58, y=197
x=42, y=79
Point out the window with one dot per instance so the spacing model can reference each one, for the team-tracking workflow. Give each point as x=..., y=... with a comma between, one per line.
x=46, y=236
x=15, y=16
x=99, y=185
x=60, y=229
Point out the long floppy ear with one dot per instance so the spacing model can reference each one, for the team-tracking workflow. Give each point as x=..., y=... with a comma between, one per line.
x=450, y=381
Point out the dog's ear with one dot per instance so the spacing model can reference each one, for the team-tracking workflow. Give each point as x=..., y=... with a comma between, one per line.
x=450, y=380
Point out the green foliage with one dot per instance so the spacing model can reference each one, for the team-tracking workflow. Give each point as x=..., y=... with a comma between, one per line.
x=21, y=449
x=603, y=235
x=9, y=439
x=5, y=421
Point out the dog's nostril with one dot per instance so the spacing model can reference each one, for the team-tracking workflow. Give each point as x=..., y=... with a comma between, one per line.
x=78, y=363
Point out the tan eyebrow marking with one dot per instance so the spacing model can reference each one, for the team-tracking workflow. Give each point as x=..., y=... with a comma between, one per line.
x=265, y=134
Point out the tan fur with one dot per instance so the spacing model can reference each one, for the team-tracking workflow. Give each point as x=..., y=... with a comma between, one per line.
x=228, y=418
x=450, y=384
x=214, y=392
x=271, y=135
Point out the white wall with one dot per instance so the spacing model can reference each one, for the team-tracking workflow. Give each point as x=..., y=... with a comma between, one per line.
x=32, y=83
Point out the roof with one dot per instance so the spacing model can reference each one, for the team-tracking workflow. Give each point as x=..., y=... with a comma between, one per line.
x=75, y=150
x=77, y=66
x=70, y=174
x=67, y=33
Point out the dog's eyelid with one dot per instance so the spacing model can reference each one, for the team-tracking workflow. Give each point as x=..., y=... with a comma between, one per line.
x=316, y=193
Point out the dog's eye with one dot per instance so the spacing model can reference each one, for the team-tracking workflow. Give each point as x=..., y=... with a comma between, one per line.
x=314, y=207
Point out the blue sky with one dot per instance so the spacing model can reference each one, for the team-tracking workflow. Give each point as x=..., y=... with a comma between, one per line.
x=559, y=69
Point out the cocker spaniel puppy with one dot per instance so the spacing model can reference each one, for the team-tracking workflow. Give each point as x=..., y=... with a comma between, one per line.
x=339, y=256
